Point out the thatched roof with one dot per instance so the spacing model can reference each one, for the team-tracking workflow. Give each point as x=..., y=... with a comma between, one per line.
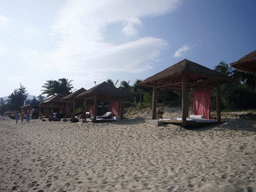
x=26, y=106
x=53, y=99
x=104, y=91
x=73, y=95
x=246, y=63
x=198, y=77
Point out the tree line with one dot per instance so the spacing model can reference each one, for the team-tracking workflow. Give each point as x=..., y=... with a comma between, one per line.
x=238, y=94
x=19, y=97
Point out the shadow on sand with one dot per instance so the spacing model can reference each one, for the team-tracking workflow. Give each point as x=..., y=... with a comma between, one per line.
x=137, y=120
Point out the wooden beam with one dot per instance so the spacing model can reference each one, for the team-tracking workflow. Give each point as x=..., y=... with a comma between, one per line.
x=169, y=84
x=95, y=108
x=218, y=104
x=184, y=99
x=121, y=108
x=154, y=100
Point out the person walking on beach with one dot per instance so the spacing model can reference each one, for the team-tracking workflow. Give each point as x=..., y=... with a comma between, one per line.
x=22, y=117
x=27, y=117
x=16, y=117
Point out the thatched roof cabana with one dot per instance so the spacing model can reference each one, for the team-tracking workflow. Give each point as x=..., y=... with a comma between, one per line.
x=71, y=98
x=73, y=95
x=104, y=91
x=185, y=75
x=55, y=100
x=246, y=63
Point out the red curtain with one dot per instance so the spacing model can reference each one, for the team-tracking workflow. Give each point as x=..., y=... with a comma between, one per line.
x=91, y=109
x=202, y=102
x=114, y=107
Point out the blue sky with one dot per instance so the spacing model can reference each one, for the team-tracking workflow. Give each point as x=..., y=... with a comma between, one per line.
x=88, y=40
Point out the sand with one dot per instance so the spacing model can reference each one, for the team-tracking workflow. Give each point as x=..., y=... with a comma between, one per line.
x=128, y=155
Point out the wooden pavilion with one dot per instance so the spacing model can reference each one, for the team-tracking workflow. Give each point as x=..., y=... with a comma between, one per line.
x=71, y=99
x=54, y=101
x=29, y=109
x=246, y=63
x=103, y=91
x=186, y=75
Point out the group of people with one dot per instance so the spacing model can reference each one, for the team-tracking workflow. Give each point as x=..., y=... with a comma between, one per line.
x=22, y=117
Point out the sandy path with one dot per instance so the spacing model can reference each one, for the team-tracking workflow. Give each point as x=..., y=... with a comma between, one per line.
x=130, y=155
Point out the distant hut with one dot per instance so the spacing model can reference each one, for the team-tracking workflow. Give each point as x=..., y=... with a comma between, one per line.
x=29, y=109
x=185, y=75
x=104, y=91
x=53, y=104
x=246, y=63
x=71, y=99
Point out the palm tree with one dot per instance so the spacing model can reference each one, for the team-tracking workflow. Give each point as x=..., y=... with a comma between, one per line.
x=65, y=86
x=124, y=86
x=110, y=82
x=137, y=89
x=50, y=87
x=224, y=68
x=62, y=86
x=248, y=79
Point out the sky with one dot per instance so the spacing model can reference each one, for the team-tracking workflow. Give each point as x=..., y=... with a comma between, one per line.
x=87, y=40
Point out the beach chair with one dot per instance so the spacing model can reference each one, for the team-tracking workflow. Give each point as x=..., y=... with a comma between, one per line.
x=107, y=115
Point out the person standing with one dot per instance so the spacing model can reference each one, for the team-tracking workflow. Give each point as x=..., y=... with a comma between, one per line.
x=22, y=117
x=16, y=117
x=27, y=117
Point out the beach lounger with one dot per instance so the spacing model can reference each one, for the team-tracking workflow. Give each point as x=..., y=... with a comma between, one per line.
x=107, y=115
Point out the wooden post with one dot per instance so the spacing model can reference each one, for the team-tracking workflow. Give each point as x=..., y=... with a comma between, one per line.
x=218, y=104
x=109, y=105
x=52, y=109
x=184, y=99
x=85, y=107
x=95, y=108
x=154, y=100
x=187, y=105
x=73, y=113
x=47, y=112
x=66, y=110
x=121, y=109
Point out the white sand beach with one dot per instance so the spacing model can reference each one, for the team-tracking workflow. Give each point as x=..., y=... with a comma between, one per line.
x=127, y=155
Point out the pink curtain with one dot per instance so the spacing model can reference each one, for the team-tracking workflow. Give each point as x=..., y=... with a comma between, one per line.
x=91, y=109
x=202, y=102
x=114, y=107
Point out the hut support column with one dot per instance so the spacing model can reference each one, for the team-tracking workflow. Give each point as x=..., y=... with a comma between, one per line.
x=154, y=101
x=73, y=114
x=121, y=109
x=52, y=109
x=109, y=105
x=66, y=110
x=184, y=99
x=85, y=107
x=187, y=105
x=47, y=112
x=95, y=108
x=218, y=105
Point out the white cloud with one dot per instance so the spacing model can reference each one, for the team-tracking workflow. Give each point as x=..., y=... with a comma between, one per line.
x=2, y=49
x=129, y=28
x=83, y=49
x=181, y=50
x=3, y=19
